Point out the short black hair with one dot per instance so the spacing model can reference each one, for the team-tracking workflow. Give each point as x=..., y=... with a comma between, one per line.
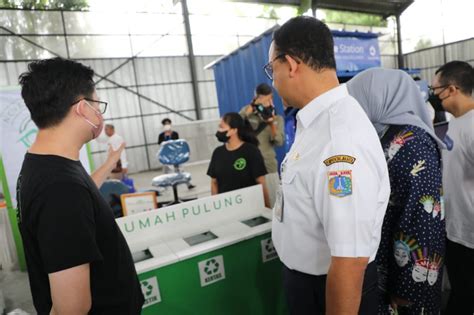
x=51, y=86
x=308, y=39
x=263, y=89
x=166, y=121
x=110, y=126
x=458, y=73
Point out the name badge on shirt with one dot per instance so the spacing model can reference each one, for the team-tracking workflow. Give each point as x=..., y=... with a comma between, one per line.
x=278, y=208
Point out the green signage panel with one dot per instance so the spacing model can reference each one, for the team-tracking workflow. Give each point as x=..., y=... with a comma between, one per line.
x=243, y=278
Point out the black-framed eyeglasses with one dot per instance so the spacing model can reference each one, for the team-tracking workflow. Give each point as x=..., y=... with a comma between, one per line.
x=102, y=105
x=443, y=87
x=268, y=68
x=433, y=88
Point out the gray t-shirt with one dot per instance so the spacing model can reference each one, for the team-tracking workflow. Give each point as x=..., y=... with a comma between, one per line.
x=458, y=180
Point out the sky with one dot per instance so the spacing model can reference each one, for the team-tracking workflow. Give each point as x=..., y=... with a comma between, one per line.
x=431, y=19
x=439, y=21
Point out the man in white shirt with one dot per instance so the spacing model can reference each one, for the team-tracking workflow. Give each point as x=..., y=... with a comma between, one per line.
x=452, y=88
x=116, y=141
x=335, y=187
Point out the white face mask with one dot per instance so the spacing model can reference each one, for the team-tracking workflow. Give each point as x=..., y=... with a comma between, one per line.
x=167, y=127
x=96, y=129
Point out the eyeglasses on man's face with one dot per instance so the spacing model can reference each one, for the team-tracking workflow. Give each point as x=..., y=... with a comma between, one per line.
x=432, y=89
x=101, y=105
x=268, y=68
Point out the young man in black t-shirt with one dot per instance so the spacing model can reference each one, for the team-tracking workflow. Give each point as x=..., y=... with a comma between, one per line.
x=78, y=260
x=167, y=133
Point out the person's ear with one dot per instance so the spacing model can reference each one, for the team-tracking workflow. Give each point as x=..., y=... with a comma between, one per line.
x=293, y=64
x=232, y=131
x=453, y=90
x=78, y=108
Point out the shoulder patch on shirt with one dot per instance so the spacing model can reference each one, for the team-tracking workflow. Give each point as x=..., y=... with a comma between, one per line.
x=340, y=183
x=339, y=159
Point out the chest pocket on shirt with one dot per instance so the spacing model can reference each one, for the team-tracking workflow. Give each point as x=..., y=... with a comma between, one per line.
x=288, y=177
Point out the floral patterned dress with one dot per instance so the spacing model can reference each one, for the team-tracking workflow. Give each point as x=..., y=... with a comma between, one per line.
x=411, y=252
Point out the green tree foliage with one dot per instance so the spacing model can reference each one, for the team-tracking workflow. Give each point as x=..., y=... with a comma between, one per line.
x=423, y=43
x=304, y=6
x=354, y=18
x=45, y=4
x=269, y=12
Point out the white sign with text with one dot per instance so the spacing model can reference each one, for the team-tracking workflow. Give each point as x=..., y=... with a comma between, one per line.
x=211, y=270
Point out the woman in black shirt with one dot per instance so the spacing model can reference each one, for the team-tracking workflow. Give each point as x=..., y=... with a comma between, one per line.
x=238, y=163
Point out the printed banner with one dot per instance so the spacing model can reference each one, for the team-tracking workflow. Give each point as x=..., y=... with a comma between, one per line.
x=17, y=134
x=355, y=54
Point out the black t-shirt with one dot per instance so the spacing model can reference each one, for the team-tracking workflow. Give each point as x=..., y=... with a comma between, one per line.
x=174, y=136
x=65, y=222
x=236, y=169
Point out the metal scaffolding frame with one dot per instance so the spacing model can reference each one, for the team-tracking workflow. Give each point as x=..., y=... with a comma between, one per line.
x=106, y=77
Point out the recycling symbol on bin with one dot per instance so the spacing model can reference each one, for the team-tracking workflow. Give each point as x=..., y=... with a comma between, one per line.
x=212, y=266
x=269, y=246
x=148, y=288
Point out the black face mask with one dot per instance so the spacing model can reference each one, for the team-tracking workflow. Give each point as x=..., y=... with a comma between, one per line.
x=436, y=102
x=222, y=136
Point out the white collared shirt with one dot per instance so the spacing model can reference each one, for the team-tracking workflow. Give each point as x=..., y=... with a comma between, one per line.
x=116, y=141
x=331, y=207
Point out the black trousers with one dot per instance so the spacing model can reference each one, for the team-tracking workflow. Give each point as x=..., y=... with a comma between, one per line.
x=460, y=266
x=306, y=294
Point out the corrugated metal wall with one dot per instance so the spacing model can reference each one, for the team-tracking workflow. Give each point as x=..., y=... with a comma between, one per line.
x=161, y=81
x=236, y=78
x=430, y=59
x=239, y=73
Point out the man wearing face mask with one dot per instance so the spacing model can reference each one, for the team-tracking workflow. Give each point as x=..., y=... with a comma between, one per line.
x=451, y=90
x=269, y=129
x=78, y=260
x=168, y=133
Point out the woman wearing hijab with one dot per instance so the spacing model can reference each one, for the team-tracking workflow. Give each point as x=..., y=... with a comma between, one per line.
x=411, y=251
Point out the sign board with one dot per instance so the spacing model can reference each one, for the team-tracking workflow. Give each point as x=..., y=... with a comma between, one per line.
x=18, y=132
x=138, y=202
x=209, y=208
x=268, y=250
x=151, y=291
x=355, y=54
x=211, y=270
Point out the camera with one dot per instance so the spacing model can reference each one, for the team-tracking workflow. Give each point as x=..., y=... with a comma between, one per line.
x=264, y=112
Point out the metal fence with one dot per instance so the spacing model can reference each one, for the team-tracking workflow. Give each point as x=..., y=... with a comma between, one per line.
x=430, y=59
x=140, y=94
x=143, y=69
x=141, y=61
